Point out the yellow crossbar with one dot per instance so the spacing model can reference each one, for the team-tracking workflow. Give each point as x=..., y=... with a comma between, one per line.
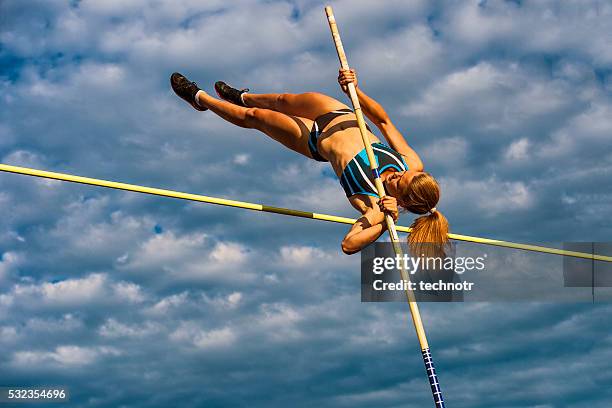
x=277, y=210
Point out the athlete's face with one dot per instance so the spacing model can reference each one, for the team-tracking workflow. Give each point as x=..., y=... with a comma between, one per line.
x=398, y=182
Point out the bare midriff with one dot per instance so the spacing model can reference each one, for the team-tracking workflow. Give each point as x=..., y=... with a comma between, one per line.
x=341, y=140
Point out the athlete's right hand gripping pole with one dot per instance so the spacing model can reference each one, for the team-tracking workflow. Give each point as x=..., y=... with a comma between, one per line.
x=414, y=309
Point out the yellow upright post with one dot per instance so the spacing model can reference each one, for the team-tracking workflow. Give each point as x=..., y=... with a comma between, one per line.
x=414, y=308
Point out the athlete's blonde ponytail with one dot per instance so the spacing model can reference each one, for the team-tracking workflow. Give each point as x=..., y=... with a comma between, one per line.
x=429, y=232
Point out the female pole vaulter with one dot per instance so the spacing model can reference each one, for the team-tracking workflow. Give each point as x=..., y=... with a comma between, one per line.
x=325, y=129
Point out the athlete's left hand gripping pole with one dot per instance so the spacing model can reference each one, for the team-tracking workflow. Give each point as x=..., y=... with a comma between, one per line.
x=414, y=309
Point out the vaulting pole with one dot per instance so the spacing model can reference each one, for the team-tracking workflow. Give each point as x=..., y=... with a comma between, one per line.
x=414, y=308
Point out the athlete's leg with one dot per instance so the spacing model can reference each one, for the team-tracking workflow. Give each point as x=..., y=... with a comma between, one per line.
x=290, y=131
x=309, y=105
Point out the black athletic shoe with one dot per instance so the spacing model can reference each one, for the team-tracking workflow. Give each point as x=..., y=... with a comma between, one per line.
x=185, y=89
x=230, y=94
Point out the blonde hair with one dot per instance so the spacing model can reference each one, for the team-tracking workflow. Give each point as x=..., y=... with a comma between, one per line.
x=429, y=232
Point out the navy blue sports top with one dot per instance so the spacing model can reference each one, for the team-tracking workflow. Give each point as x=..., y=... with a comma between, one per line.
x=357, y=178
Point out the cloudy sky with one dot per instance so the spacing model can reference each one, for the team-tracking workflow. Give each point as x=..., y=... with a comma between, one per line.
x=140, y=301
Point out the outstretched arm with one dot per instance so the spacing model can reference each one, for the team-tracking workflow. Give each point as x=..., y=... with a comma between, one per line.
x=375, y=112
x=370, y=226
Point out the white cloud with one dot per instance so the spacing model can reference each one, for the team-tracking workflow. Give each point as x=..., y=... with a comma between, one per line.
x=99, y=77
x=193, y=256
x=128, y=291
x=450, y=152
x=228, y=253
x=23, y=158
x=492, y=99
x=214, y=338
x=518, y=150
x=242, y=159
x=547, y=26
x=299, y=256
x=488, y=197
x=77, y=291
x=66, y=323
x=316, y=193
x=115, y=329
x=87, y=227
x=280, y=322
x=409, y=57
x=164, y=305
x=468, y=90
x=476, y=25
x=8, y=334
x=229, y=302
x=166, y=248
x=9, y=262
x=67, y=356
x=192, y=333
x=589, y=129
x=90, y=290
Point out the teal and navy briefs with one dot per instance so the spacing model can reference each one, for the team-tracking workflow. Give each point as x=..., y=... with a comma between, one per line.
x=357, y=177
